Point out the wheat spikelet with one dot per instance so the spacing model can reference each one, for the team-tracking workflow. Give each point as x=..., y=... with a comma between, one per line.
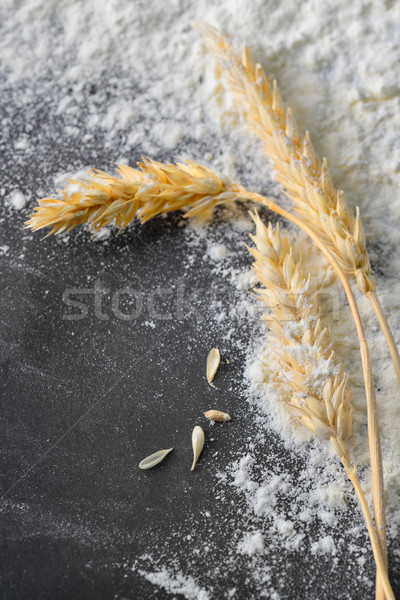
x=151, y=190
x=301, y=345
x=303, y=176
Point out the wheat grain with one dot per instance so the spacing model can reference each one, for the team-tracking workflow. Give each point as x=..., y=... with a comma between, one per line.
x=301, y=346
x=217, y=415
x=198, y=438
x=213, y=360
x=151, y=461
x=153, y=189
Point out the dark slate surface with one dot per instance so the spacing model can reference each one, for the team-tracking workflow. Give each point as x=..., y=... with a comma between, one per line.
x=84, y=400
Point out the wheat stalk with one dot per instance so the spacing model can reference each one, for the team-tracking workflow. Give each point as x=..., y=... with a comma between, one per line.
x=301, y=346
x=307, y=182
x=304, y=177
x=153, y=189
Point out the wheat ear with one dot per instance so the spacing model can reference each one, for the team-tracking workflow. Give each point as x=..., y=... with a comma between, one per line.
x=153, y=189
x=301, y=345
x=304, y=177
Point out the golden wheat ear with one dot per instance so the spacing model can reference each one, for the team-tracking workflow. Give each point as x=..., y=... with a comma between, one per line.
x=147, y=192
x=300, y=345
x=304, y=177
x=298, y=340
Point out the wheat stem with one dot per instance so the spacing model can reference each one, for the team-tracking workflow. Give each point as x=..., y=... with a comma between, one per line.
x=376, y=305
x=379, y=555
x=394, y=353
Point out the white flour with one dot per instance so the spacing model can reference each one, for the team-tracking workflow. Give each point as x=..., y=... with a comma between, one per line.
x=16, y=200
x=176, y=583
x=337, y=66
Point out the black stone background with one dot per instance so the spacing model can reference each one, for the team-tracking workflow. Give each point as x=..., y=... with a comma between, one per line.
x=84, y=401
